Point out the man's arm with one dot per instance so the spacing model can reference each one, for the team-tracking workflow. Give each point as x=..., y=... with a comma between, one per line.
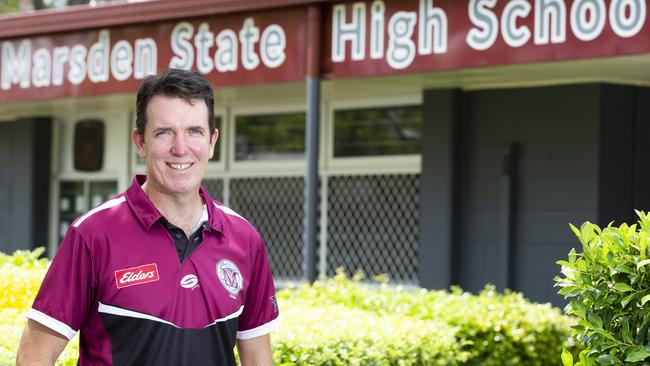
x=39, y=345
x=255, y=351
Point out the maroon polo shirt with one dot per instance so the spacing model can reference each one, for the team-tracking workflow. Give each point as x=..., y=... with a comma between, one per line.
x=117, y=278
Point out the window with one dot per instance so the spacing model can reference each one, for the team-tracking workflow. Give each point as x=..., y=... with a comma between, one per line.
x=270, y=137
x=79, y=196
x=377, y=131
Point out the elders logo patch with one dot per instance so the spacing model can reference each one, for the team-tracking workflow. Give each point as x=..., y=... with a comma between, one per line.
x=230, y=277
x=136, y=275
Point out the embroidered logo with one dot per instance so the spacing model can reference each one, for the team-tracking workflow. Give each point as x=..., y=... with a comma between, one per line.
x=274, y=304
x=230, y=277
x=136, y=275
x=189, y=281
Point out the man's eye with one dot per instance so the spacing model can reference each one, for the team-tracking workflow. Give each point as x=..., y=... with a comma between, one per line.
x=162, y=132
x=196, y=131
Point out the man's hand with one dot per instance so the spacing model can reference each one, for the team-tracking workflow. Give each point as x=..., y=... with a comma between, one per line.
x=39, y=345
x=255, y=351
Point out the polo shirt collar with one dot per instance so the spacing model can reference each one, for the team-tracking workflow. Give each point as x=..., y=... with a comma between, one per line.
x=215, y=216
x=148, y=214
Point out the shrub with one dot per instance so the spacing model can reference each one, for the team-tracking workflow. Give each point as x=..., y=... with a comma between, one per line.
x=338, y=336
x=343, y=321
x=609, y=283
x=494, y=329
x=21, y=275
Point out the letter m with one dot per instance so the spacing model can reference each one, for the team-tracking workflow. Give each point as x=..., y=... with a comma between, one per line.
x=16, y=64
x=231, y=277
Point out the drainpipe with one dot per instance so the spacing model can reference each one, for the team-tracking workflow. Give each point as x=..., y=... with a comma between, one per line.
x=508, y=250
x=314, y=26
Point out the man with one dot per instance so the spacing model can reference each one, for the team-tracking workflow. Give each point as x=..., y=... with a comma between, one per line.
x=161, y=274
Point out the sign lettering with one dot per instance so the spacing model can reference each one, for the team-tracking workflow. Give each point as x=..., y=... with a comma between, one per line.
x=428, y=35
x=371, y=37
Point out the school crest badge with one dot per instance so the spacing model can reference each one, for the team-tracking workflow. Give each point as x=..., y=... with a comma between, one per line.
x=230, y=277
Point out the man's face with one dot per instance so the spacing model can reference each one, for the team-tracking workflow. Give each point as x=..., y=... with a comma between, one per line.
x=176, y=146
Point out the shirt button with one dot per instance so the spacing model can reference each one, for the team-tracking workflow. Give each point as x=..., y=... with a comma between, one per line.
x=178, y=236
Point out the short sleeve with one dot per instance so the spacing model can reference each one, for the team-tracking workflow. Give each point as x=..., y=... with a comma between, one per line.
x=64, y=299
x=260, y=315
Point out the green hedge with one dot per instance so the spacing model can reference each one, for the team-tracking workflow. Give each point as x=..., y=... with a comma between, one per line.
x=489, y=328
x=343, y=321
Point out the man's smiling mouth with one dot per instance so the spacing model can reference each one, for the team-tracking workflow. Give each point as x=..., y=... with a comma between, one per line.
x=179, y=166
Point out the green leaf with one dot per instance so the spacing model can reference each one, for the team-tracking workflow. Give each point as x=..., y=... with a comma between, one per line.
x=623, y=287
x=627, y=299
x=584, y=360
x=642, y=332
x=578, y=308
x=585, y=323
x=605, y=334
x=586, y=232
x=645, y=299
x=572, y=256
x=564, y=263
x=582, y=264
x=577, y=232
x=567, y=358
x=635, y=356
x=642, y=263
x=623, y=268
x=625, y=331
x=570, y=291
x=608, y=360
x=643, y=243
x=567, y=271
x=595, y=320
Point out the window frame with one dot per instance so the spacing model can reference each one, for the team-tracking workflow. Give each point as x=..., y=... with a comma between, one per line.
x=376, y=163
x=258, y=166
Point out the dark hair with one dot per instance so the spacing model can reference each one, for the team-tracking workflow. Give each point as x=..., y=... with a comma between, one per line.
x=185, y=84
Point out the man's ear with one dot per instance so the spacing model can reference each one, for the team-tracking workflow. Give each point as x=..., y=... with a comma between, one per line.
x=138, y=141
x=213, y=142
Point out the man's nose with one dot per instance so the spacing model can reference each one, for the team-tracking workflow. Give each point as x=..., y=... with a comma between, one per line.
x=179, y=145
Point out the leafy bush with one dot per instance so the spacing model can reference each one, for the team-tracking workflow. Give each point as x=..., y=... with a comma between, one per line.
x=21, y=275
x=493, y=329
x=337, y=335
x=343, y=321
x=610, y=286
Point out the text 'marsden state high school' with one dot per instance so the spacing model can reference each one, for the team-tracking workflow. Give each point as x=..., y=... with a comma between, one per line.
x=362, y=38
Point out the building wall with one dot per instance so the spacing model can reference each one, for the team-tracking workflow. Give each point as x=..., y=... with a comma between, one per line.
x=15, y=200
x=24, y=183
x=557, y=131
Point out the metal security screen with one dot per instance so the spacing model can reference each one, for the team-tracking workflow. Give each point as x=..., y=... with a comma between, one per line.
x=275, y=206
x=372, y=225
x=214, y=188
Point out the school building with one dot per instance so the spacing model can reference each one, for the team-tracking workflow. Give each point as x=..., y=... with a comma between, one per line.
x=438, y=141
